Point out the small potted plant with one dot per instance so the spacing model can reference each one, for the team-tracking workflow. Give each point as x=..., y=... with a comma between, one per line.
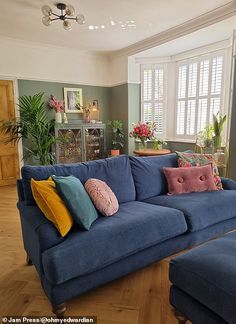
x=118, y=136
x=204, y=139
x=218, y=126
x=158, y=143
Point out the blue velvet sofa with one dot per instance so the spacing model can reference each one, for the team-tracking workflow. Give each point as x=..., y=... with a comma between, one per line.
x=149, y=225
x=203, y=283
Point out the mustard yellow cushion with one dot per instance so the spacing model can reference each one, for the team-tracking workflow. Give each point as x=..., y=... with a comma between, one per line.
x=51, y=204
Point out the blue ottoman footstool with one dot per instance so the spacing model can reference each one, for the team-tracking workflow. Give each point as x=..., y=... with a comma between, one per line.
x=204, y=283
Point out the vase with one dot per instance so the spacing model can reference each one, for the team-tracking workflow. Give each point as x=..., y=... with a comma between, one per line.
x=58, y=118
x=143, y=144
x=208, y=146
x=220, y=158
x=65, y=118
x=115, y=152
x=217, y=141
x=87, y=119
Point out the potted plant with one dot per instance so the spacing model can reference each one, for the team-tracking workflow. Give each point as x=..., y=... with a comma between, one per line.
x=33, y=125
x=118, y=136
x=218, y=126
x=157, y=143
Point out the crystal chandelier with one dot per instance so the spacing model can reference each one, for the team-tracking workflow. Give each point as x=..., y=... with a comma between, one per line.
x=66, y=14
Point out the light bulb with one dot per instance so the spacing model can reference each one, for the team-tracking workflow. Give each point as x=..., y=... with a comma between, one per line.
x=80, y=19
x=46, y=20
x=67, y=25
x=46, y=10
x=70, y=10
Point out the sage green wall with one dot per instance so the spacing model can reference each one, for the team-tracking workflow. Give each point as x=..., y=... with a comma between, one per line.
x=119, y=109
x=102, y=94
x=118, y=102
x=134, y=114
x=125, y=105
x=232, y=141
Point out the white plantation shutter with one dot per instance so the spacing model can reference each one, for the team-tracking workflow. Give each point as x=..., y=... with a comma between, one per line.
x=153, y=99
x=199, y=92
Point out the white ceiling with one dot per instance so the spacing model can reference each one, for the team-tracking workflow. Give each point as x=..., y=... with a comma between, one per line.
x=21, y=19
x=212, y=34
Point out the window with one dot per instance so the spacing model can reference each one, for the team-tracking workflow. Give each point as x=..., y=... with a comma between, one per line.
x=153, y=98
x=199, y=92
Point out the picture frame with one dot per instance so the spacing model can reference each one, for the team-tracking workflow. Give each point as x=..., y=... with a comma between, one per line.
x=73, y=100
x=95, y=105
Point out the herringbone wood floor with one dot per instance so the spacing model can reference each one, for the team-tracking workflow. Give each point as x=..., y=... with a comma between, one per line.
x=139, y=298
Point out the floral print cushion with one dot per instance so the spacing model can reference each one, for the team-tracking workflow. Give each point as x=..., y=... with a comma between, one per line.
x=195, y=159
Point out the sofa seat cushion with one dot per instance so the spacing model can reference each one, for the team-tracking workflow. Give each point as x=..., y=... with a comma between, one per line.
x=116, y=172
x=208, y=274
x=134, y=227
x=201, y=209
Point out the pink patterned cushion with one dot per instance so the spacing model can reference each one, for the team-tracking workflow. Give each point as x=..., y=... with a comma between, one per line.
x=196, y=159
x=102, y=196
x=185, y=180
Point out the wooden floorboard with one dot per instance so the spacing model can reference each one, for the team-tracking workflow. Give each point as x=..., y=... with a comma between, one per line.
x=138, y=298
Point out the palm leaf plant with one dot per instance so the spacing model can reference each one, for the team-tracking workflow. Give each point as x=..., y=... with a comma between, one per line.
x=218, y=126
x=34, y=126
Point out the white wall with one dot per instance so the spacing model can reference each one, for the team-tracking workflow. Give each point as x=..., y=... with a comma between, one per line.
x=118, y=69
x=20, y=59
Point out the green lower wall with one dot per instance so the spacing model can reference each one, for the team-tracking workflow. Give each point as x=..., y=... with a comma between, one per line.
x=90, y=93
x=125, y=105
x=232, y=141
x=119, y=109
x=134, y=114
x=102, y=94
x=118, y=102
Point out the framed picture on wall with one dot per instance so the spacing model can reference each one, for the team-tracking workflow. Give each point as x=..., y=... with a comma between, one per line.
x=73, y=100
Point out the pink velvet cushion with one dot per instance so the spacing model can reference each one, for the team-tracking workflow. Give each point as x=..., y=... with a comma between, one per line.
x=185, y=180
x=102, y=196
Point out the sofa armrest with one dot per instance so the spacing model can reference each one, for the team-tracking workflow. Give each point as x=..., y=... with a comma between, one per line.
x=39, y=234
x=228, y=184
x=47, y=234
x=20, y=191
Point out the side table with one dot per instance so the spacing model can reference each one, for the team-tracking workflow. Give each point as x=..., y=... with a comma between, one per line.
x=151, y=152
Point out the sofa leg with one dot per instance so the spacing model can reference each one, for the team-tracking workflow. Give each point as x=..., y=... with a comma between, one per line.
x=59, y=310
x=182, y=319
x=28, y=260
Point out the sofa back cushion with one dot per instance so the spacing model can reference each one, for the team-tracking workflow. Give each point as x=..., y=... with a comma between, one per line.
x=116, y=172
x=148, y=174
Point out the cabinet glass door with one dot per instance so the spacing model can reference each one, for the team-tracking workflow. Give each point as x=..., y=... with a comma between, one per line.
x=94, y=143
x=70, y=148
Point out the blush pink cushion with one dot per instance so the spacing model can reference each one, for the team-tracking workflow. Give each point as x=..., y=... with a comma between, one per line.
x=102, y=196
x=185, y=180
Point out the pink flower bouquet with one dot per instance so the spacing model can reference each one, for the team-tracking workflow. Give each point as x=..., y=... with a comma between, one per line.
x=143, y=131
x=57, y=105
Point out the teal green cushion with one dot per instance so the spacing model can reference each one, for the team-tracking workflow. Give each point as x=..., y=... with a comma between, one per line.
x=76, y=200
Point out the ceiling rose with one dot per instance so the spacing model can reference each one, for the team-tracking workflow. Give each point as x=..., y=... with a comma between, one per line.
x=65, y=15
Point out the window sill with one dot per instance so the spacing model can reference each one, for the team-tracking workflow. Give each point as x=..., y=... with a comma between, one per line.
x=187, y=141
